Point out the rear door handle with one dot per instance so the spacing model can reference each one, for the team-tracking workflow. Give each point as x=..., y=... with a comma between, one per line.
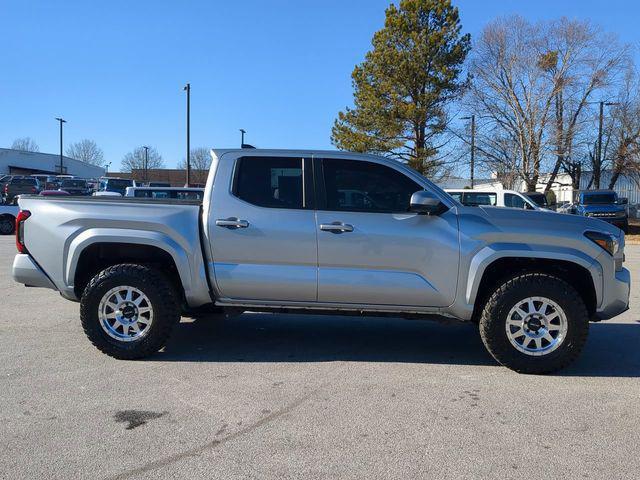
x=232, y=223
x=336, y=227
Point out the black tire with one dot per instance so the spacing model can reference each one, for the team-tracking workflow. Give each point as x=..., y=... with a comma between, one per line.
x=494, y=317
x=163, y=300
x=7, y=225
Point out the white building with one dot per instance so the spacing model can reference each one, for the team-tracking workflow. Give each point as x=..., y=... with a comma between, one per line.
x=563, y=186
x=17, y=162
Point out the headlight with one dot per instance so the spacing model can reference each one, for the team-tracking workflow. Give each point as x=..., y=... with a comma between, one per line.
x=606, y=240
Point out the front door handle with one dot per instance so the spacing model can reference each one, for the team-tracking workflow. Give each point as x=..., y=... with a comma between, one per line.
x=232, y=223
x=336, y=227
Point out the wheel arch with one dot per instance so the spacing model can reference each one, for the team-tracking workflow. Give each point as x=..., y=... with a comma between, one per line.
x=489, y=269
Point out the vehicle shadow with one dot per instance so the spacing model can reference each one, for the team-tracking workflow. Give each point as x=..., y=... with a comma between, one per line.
x=611, y=351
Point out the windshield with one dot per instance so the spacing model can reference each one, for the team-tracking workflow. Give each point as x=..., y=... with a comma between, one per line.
x=74, y=184
x=598, y=198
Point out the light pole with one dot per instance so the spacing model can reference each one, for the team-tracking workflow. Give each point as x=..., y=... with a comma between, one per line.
x=106, y=169
x=600, y=121
x=473, y=143
x=187, y=88
x=145, y=165
x=61, y=120
x=242, y=132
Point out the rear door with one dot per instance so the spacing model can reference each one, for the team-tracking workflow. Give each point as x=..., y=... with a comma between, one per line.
x=263, y=235
x=371, y=250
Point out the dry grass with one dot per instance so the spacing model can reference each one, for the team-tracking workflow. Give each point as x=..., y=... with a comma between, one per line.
x=633, y=237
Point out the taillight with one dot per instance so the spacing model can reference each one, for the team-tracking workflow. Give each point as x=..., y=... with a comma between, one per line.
x=34, y=189
x=22, y=216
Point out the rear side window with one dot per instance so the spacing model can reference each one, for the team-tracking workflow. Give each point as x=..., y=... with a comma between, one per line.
x=360, y=186
x=24, y=181
x=271, y=182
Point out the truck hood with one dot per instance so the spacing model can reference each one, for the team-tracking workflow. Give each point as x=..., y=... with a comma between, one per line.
x=604, y=208
x=529, y=226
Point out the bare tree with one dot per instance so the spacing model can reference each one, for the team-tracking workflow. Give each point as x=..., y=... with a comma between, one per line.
x=200, y=163
x=86, y=151
x=135, y=160
x=624, y=133
x=581, y=60
x=26, y=144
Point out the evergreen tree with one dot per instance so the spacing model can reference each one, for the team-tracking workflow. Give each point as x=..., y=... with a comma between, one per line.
x=402, y=87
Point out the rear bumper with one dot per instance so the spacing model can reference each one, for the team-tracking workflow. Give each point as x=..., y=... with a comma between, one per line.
x=26, y=271
x=616, y=298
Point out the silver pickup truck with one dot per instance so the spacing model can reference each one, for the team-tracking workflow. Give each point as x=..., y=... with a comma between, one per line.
x=325, y=232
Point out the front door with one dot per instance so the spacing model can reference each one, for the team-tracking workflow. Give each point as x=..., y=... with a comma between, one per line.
x=263, y=236
x=371, y=251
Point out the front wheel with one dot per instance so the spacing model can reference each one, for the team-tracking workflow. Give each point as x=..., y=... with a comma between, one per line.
x=534, y=323
x=7, y=225
x=128, y=311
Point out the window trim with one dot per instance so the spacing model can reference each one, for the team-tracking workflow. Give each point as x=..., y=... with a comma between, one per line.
x=308, y=195
x=322, y=189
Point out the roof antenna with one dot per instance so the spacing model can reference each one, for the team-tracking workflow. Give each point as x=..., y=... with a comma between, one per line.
x=242, y=144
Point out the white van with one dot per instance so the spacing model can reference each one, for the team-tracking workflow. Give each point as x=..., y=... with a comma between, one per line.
x=495, y=198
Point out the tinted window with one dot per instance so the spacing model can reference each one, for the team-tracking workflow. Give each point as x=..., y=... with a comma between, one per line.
x=539, y=199
x=511, y=200
x=366, y=187
x=24, y=181
x=598, y=198
x=270, y=181
x=474, y=199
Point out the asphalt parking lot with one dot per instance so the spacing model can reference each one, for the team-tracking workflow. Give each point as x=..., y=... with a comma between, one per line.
x=272, y=396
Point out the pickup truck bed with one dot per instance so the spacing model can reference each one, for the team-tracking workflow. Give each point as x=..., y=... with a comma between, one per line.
x=284, y=230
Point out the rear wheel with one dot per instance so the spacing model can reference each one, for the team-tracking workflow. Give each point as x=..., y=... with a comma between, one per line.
x=534, y=323
x=128, y=311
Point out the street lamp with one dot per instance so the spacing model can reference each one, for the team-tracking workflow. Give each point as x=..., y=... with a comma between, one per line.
x=145, y=165
x=106, y=169
x=242, y=132
x=61, y=120
x=187, y=88
x=473, y=143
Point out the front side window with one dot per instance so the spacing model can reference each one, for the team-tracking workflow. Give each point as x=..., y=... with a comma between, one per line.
x=271, y=182
x=475, y=199
x=357, y=186
x=514, y=201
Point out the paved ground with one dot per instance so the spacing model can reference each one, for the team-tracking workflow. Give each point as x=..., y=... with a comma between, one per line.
x=270, y=396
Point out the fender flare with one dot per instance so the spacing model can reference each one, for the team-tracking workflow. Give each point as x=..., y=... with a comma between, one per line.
x=91, y=236
x=490, y=253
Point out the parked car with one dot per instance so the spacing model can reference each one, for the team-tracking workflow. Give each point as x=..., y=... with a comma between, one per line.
x=158, y=184
x=495, y=198
x=178, y=193
x=274, y=233
x=3, y=182
x=118, y=185
x=76, y=186
x=20, y=185
x=603, y=205
x=47, y=182
x=8, y=214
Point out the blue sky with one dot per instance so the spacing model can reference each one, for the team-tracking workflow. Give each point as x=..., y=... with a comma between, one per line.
x=279, y=69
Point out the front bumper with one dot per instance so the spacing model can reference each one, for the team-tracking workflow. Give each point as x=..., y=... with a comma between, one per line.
x=26, y=271
x=616, y=296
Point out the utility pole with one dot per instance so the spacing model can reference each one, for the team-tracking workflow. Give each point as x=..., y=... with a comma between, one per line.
x=188, y=90
x=599, y=154
x=145, y=165
x=473, y=144
x=61, y=120
x=242, y=132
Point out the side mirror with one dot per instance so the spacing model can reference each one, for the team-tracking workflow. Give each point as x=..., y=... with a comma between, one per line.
x=425, y=203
